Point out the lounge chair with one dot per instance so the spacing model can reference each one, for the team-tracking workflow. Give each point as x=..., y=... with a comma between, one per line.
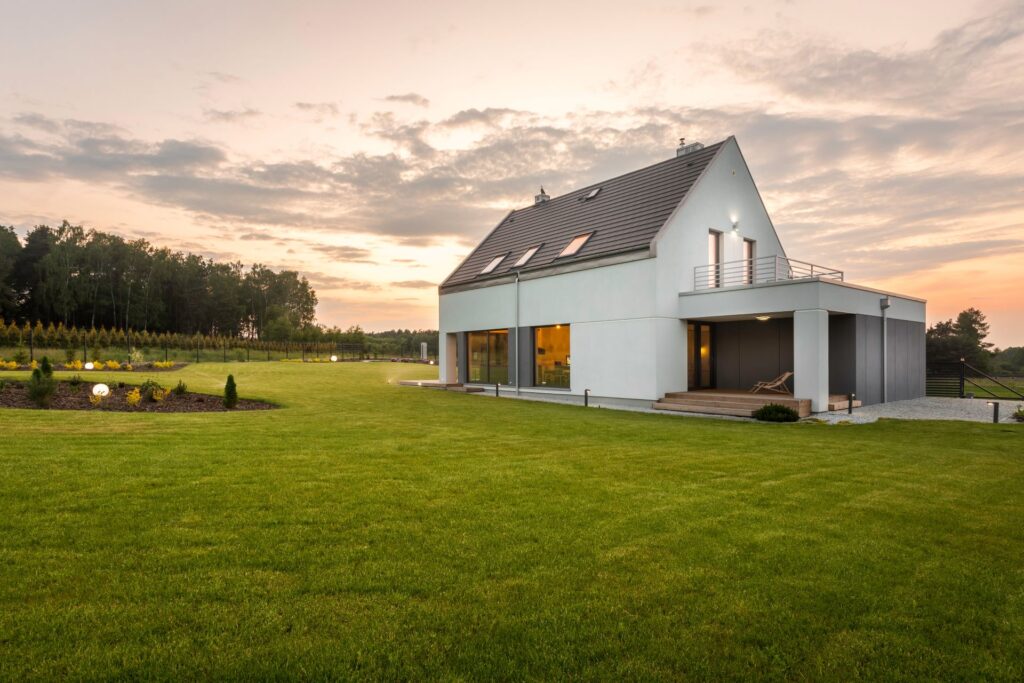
x=778, y=385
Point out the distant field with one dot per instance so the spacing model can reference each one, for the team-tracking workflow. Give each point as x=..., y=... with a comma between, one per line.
x=984, y=388
x=368, y=531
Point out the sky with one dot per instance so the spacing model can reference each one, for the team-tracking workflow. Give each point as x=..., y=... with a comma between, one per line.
x=370, y=146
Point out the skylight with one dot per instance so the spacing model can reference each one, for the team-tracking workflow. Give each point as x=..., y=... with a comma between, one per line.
x=495, y=262
x=527, y=255
x=577, y=243
x=592, y=194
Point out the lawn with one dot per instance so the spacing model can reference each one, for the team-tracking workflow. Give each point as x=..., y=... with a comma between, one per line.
x=368, y=530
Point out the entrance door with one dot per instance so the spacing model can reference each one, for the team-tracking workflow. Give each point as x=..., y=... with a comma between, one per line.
x=700, y=356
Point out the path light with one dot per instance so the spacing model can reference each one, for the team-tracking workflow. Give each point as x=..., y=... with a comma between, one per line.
x=89, y=366
x=334, y=359
x=100, y=390
x=995, y=411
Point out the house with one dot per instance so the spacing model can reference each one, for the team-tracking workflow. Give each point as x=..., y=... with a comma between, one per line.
x=665, y=285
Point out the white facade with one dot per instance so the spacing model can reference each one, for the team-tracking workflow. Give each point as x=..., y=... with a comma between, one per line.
x=628, y=315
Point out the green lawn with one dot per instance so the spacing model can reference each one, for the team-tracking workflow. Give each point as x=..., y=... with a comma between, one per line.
x=368, y=530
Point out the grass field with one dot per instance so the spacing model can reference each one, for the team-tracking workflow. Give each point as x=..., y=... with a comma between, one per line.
x=371, y=531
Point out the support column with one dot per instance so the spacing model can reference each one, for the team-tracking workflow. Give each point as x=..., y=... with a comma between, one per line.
x=449, y=357
x=810, y=357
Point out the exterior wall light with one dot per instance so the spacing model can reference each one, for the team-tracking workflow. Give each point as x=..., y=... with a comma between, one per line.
x=100, y=390
x=762, y=318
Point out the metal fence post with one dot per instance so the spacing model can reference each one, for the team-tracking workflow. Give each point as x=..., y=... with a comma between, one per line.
x=963, y=370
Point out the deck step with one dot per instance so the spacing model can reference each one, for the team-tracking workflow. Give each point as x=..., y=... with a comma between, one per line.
x=703, y=409
x=723, y=402
x=466, y=390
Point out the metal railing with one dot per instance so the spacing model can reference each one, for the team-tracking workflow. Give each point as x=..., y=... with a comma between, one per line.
x=963, y=380
x=758, y=271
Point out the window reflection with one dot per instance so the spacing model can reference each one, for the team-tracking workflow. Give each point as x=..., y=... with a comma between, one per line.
x=552, y=356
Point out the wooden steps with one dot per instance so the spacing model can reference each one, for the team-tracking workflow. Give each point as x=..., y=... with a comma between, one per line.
x=735, y=403
x=437, y=384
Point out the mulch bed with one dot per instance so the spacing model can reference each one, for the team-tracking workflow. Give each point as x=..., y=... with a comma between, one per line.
x=67, y=397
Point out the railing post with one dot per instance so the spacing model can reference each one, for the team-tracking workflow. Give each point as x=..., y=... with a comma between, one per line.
x=963, y=370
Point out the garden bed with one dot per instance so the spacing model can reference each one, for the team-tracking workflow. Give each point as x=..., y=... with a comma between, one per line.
x=71, y=397
x=105, y=366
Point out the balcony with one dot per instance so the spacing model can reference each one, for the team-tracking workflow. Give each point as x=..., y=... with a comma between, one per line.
x=757, y=271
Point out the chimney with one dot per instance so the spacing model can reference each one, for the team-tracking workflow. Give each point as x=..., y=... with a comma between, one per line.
x=541, y=198
x=684, y=148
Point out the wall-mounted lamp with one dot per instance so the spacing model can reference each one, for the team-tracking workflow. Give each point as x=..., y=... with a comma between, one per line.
x=736, y=227
x=762, y=318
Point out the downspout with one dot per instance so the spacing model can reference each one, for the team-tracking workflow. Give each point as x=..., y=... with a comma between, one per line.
x=884, y=304
x=519, y=362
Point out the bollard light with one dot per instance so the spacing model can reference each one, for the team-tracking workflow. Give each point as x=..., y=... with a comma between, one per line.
x=849, y=403
x=586, y=398
x=995, y=411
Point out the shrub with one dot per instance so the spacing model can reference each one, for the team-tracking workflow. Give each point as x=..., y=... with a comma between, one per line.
x=75, y=381
x=1019, y=415
x=133, y=398
x=95, y=400
x=149, y=388
x=163, y=364
x=181, y=389
x=773, y=412
x=158, y=395
x=135, y=357
x=3, y=384
x=20, y=357
x=230, y=393
x=46, y=368
x=69, y=355
x=74, y=365
x=9, y=365
x=113, y=365
x=41, y=388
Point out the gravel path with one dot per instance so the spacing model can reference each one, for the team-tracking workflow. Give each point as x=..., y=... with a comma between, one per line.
x=970, y=409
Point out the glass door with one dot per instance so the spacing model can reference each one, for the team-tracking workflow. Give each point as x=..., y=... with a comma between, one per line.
x=700, y=356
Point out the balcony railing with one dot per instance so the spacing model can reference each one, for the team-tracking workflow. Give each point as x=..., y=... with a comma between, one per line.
x=759, y=271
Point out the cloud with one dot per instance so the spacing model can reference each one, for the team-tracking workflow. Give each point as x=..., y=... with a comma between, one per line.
x=326, y=281
x=414, y=284
x=231, y=115
x=409, y=98
x=344, y=253
x=320, y=109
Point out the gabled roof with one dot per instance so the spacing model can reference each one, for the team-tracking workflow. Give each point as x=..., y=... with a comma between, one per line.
x=624, y=216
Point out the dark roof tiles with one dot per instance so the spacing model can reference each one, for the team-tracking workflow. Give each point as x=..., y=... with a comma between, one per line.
x=624, y=216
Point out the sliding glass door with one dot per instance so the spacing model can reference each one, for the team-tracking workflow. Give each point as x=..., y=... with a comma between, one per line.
x=700, y=361
x=488, y=357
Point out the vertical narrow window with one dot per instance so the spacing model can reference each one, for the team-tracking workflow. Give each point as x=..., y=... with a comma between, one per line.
x=749, y=256
x=488, y=357
x=552, y=356
x=714, y=258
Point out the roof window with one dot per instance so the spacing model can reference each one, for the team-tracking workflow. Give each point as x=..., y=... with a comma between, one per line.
x=527, y=255
x=590, y=195
x=575, y=245
x=494, y=263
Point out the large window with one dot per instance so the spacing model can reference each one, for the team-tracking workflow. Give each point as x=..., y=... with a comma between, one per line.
x=552, y=356
x=749, y=256
x=488, y=357
x=714, y=258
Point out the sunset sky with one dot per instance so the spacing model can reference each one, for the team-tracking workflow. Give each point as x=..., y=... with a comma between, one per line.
x=370, y=145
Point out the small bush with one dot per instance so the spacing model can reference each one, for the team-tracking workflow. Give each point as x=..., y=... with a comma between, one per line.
x=75, y=381
x=46, y=368
x=136, y=357
x=773, y=412
x=20, y=357
x=69, y=354
x=230, y=393
x=95, y=400
x=3, y=384
x=149, y=388
x=41, y=388
x=113, y=365
x=1019, y=415
x=181, y=389
x=133, y=398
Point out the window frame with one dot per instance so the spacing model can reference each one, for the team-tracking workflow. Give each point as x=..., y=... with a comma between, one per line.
x=585, y=237
x=527, y=255
x=493, y=264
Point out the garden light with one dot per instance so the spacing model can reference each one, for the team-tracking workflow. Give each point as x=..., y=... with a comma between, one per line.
x=100, y=390
x=995, y=411
x=334, y=359
x=89, y=366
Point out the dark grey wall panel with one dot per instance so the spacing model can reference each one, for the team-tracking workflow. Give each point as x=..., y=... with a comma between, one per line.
x=906, y=360
x=842, y=354
x=525, y=363
x=462, y=357
x=751, y=351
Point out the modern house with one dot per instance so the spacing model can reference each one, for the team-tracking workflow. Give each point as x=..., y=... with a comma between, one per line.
x=665, y=285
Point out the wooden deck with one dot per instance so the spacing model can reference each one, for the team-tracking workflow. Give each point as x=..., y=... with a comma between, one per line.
x=738, y=402
x=437, y=384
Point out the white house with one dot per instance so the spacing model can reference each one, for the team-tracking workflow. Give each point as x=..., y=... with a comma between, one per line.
x=666, y=280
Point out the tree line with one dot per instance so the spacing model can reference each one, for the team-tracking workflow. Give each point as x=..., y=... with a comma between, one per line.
x=964, y=337
x=87, y=279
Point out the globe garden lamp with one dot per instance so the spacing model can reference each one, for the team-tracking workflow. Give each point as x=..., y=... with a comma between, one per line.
x=89, y=365
x=100, y=390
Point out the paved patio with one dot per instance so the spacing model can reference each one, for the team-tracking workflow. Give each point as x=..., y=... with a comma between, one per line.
x=972, y=410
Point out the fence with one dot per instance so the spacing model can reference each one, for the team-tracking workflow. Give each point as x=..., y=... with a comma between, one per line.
x=959, y=379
